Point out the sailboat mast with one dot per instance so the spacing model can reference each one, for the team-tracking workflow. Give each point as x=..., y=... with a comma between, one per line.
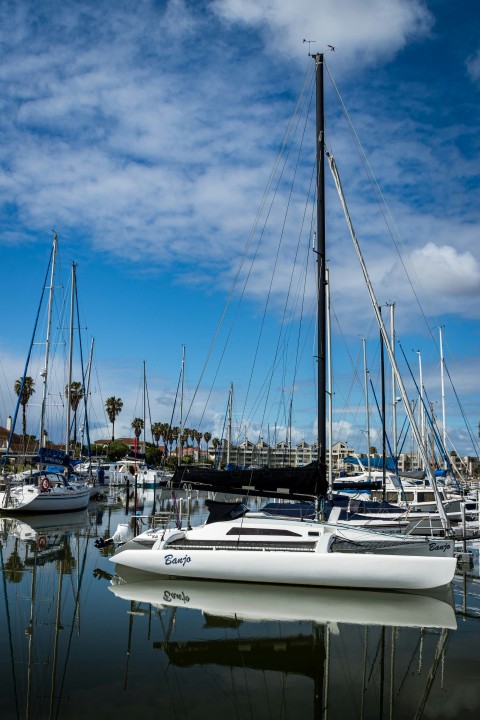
x=367, y=409
x=330, y=385
x=47, y=343
x=144, y=410
x=180, y=454
x=383, y=330
x=320, y=251
x=229, y=424
x=442, y=378
x=70, y=359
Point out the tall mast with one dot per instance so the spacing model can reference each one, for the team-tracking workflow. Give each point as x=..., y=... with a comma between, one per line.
x=384, y=430
x=394, y=388
x=180, y=454
x=47, y=343
x=401, y=387
x=421, y=410
x=330, y=385
x=444, y=426
x=144, y=411
x=70, y=358
x=320, y=250
x=229, y=423
x=367, y=409
x=87, y=395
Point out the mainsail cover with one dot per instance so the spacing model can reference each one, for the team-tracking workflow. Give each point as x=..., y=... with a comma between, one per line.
x=290, y=482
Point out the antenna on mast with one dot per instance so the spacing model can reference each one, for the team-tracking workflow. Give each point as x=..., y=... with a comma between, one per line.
x=309, y=43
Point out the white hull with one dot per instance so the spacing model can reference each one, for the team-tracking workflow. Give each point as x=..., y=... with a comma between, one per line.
x=309, y=568
x=30, y=499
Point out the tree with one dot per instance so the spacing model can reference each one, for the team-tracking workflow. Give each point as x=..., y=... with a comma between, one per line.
x=24, y=390
x=173, y=437
x=207, y=437
x=215, y=443
x=14, y=566
x=116, y=450
x=157, y=431
x=373, y=450
x=153, y=455
x=113, y=406
x=137, y=425
x=164, y=431
x=76, y=394
x=198, y=438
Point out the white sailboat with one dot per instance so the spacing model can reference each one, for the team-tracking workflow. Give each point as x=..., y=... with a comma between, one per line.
x=45, y=491
x=237, y=545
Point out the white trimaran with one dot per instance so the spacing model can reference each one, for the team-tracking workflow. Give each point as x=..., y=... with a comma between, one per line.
x=239, y=545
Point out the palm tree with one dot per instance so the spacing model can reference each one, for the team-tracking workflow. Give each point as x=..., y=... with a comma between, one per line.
x=113, y=406
x=207, y=437
x=157, y=431
x=76, y=394
x=173, y=437
x=198, y=438
x=137, y=425
x=184, y=440
x=164, y=430
x=14, y=566
x=24, y=390
x=215, y=443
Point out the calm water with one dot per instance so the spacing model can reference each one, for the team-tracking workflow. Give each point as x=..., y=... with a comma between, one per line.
x=76, y=641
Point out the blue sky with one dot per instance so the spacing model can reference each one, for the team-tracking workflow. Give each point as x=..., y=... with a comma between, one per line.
x=145, y=134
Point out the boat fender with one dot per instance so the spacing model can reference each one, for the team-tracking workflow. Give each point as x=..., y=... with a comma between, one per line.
x=45, y=484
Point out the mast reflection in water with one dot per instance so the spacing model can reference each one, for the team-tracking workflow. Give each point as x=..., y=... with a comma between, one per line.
x=76, y=641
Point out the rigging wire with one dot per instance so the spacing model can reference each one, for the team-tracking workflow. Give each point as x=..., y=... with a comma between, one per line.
x=276, y=260
x=244, y=256
x=394, y=233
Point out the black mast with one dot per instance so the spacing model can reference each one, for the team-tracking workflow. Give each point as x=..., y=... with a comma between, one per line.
x=320, y=250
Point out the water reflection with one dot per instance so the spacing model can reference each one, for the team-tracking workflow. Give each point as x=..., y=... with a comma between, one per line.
x=41, y=555
x=289, y=604
x=71, y=631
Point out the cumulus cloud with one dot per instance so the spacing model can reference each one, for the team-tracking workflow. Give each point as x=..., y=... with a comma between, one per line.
x=147, y=138
x=473, y=66
x=448, y=277
x=366, y=31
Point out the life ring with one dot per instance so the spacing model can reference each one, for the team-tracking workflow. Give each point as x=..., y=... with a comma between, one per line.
x=42, y=542
x=45, y=484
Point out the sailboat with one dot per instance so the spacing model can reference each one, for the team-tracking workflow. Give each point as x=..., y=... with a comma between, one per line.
x=236, y=544
x=48, y=491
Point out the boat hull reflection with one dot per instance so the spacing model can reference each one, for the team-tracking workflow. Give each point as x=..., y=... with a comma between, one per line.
x=255, y=602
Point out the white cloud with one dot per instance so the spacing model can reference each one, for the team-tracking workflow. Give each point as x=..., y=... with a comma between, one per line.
x=364, y=30
x=149, y=137
x=473, y=66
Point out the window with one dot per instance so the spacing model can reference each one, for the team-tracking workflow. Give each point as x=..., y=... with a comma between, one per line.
x=262, y=531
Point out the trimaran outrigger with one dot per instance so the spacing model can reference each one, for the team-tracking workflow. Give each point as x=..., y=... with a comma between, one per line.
x=237, y=544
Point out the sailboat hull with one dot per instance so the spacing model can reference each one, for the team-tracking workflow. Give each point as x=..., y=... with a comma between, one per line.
x=295, y=568
x=29, y=499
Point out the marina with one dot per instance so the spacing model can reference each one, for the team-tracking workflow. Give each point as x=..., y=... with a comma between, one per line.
x=81, y=636
x=284, y=521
